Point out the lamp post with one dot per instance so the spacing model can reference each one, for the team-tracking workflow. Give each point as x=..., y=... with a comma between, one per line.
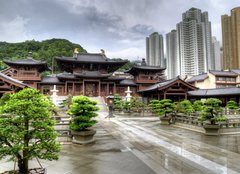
x=110, y=103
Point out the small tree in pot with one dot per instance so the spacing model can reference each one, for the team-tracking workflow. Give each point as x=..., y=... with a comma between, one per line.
x=165, y=107
x=83, y=110
x=26, y=128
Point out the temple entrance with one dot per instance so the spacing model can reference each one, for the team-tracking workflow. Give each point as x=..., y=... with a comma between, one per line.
x=91, y=89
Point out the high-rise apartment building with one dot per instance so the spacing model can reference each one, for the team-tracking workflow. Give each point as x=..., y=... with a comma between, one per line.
x=231, y=39
x=216, y=54
x=173, y=68
x=154, y=50
x=194, y=39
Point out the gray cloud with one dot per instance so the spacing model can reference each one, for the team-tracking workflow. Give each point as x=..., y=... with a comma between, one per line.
x=117, y=26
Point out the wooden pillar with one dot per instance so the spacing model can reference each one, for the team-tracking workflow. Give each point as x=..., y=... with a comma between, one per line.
x=164, y=94
x=114, y=88
x=66, y=88
x=83, y=87
x=107, y=89
x=99, y=88
x=73, y=88
x=158, y=95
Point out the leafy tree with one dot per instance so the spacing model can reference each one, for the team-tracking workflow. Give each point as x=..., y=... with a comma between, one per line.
x=26, y=129
x=212, y=108
x=136, y=104
x=165, y=107
x=198, y=105
x=127, y=106
x=5, y=98
x=186, y=107
x=83, y=110
x=232, y=105
x=118, y=102
x=153, y=105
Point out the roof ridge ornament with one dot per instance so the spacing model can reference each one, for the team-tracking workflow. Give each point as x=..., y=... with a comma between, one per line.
x=75, y=53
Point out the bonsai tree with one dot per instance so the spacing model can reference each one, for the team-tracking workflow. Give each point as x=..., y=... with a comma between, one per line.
x=232, y=105
x=165, y=107
x=197, y=105
x=212, y=108
x=118, y=103
x=26, y=129
x=136, y=104
x=186, y=107
x=83, y=110
x=153, y=105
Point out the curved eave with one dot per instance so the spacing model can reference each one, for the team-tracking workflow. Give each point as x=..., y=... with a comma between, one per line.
x=147, y=68
x=43, y=65
x=92, y=76
x=66, y=77
x=73, y=60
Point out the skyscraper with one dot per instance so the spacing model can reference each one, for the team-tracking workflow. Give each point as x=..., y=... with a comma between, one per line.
x=154, y=50
x=217, y=54
x=194, y=43
x=173, y=68
x=231, y=39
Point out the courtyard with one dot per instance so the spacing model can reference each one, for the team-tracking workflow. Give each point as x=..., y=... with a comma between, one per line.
x=140, y=145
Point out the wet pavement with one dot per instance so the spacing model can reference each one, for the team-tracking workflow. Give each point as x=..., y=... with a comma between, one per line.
x=140, y=145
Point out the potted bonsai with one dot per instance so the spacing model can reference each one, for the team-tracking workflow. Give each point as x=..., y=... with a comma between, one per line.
x=165, y=107
x=232, y=106
x=187, y=108
x=83, y=110
x=210, y=114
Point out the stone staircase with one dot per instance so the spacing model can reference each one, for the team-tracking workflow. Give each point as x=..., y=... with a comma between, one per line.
x=63, y=119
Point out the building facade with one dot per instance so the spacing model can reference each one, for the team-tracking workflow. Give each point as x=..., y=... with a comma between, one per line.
x=173, y=63
x=155, y=50
x=231, y=39
x=217, y=54
x=194, y=43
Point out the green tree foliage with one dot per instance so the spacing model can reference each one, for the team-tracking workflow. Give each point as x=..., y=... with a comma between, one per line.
x=198, y=105
x=136, y=104
x=26, y=129
x=118, y=102
x=232, y=105
x=5, y=98
x=83, y=110
x=127, y=66
x=67, y=102
x=44, y=50
x=211, y=110
x=186, y=107
x=162, y=107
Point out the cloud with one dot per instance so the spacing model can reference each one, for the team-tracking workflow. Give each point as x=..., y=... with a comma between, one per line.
x=14, y=30
x=132, y=53
x=113, y=25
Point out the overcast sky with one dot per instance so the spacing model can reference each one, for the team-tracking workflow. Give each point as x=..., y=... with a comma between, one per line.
x=118, y=26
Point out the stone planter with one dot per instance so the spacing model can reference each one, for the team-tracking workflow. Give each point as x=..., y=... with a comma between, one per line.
x=83, y=137
x=165, y=120
x=211, y=129
x=31, y=171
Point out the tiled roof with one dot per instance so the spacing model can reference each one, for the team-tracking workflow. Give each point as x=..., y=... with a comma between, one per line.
x=158, y=85
x=222, y=73
x=237, y=71
x=197, y=78
x=50, y=80
x=13, y=80
x=127, y=82
x=91, y=57
x=66, y=75
x=141, y=67
x=92, y=74
x=215, y=92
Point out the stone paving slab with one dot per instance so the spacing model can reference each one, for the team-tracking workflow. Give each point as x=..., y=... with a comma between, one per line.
x=105, y=156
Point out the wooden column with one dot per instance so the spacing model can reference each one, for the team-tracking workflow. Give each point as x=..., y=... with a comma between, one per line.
x=107, y=89
x=73, y=88
x=99, y=88
x=83, y=87
x=164, y=94
x=66, y=88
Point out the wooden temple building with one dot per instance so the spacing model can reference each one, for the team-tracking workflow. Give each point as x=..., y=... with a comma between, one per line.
x=83, y=74
x=94, y=75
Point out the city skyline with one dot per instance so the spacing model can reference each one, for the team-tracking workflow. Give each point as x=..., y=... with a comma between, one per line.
x=119, y=29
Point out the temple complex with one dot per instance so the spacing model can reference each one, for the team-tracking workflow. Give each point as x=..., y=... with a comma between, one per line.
x=84, y=74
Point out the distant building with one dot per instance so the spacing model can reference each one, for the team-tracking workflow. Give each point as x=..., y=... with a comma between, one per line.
x=217, y=54
x=173, y=63
x=231, y=39
x=216, y=79
x=155, y=50
x=194, y=43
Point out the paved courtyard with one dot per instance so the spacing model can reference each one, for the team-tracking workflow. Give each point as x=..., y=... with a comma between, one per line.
x=140, y=145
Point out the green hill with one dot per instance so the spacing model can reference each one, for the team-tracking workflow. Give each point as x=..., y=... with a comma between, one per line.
x=44, y=50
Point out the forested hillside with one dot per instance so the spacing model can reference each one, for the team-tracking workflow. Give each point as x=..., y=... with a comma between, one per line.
x=44, y=50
